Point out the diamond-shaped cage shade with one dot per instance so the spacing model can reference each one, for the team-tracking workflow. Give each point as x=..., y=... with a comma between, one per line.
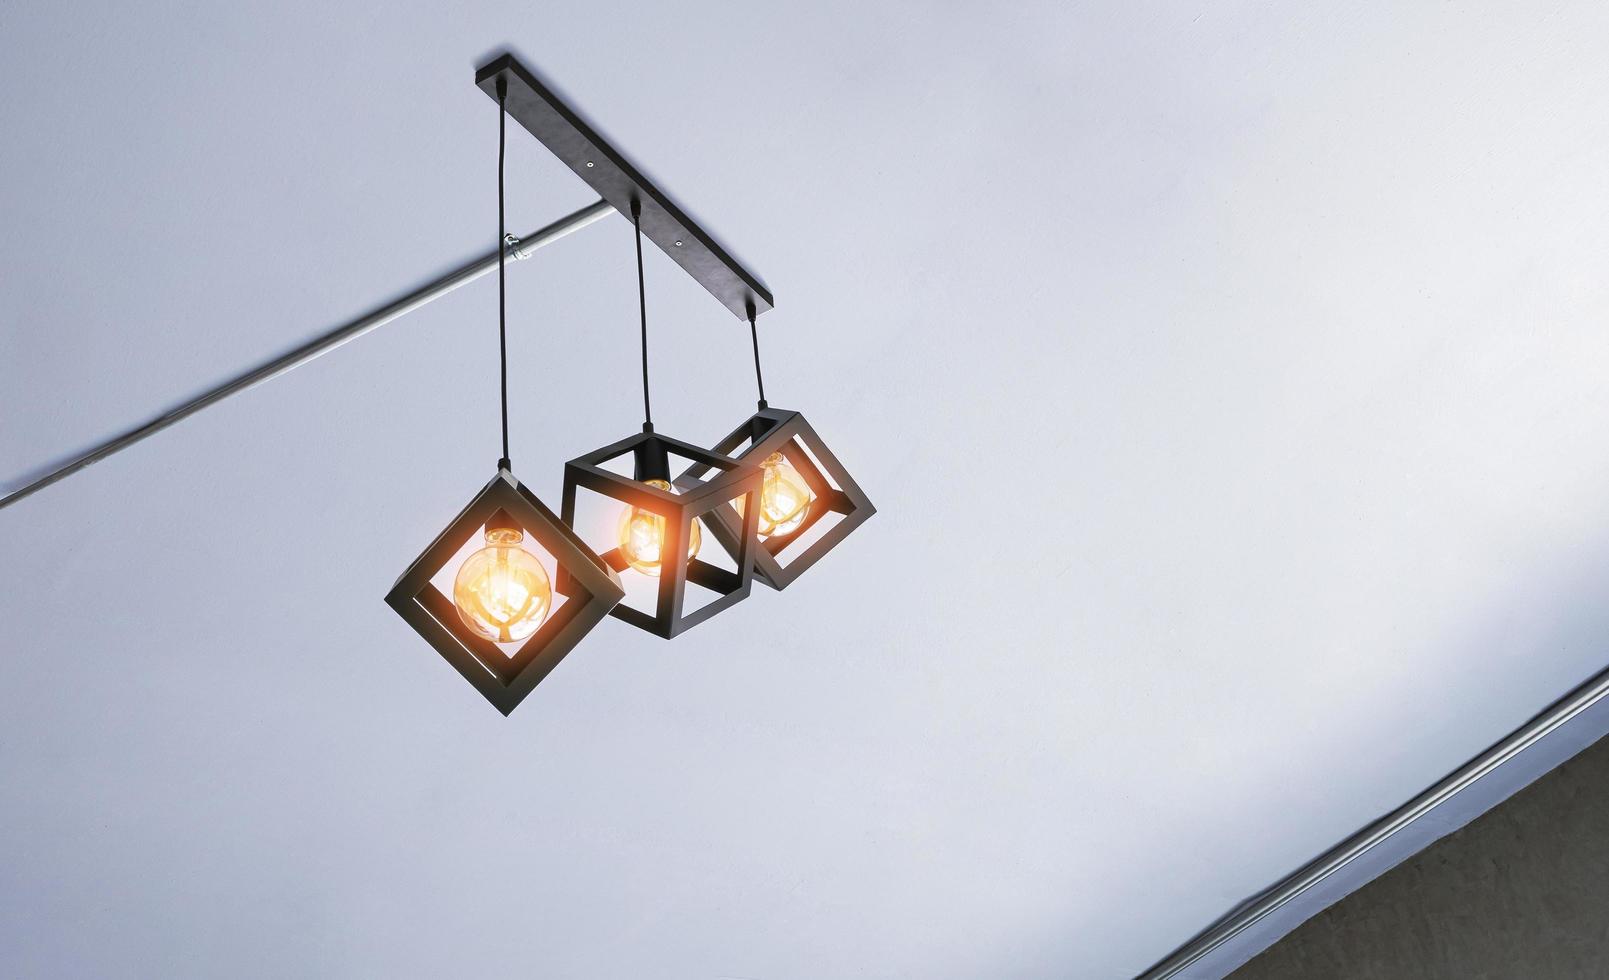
x=837, y=506
x=601, y=488
x=585, y=590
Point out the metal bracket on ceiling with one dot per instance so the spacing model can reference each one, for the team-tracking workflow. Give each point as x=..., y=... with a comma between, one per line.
x=519, y=248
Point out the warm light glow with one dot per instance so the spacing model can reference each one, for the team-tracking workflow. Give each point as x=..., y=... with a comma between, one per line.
x=502, y=591
x=642, y=536
x=785, y=497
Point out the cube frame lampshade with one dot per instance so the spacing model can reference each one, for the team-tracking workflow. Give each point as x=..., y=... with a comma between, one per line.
x=726, y=480
x=589, y=586
x=774, y=430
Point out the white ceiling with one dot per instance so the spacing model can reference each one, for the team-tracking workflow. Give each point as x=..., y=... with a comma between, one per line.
x=1229, y=378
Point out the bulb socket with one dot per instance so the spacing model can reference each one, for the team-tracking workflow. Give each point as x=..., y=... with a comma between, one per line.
x=651, y=461
x=759, y=426
x=502, y=520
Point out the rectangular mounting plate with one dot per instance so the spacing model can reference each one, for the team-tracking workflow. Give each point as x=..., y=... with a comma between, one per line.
x=561, y=130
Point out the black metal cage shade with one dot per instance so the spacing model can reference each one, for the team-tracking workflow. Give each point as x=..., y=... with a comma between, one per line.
x=837, y=497
x=588, y=586
x=699, y=501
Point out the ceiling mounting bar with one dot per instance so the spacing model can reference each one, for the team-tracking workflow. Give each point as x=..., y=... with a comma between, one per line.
x=607, y=171
x=518, y=248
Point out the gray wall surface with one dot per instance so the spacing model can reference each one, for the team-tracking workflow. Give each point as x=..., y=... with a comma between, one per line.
x=1521, y=892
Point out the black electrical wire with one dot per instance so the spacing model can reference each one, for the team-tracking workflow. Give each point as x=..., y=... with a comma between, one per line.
x=754, y=335
x=642, y=304
x=502, y=260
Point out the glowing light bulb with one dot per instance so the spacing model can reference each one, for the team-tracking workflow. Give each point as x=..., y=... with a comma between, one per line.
x=502, y=591
x=642, y=536
x=785, y=497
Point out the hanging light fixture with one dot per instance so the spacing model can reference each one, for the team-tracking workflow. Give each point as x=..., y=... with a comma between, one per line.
x=808, y=502
x=654, y=526
x=504, y=628
x=509, y=588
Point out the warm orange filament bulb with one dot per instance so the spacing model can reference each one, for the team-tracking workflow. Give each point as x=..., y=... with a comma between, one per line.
x=502, y=591
x=785, y=497
x=642, y=536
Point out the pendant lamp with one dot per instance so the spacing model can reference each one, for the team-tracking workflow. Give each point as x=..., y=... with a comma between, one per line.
x=621, y=500
x=507, y=590
x=808, y=501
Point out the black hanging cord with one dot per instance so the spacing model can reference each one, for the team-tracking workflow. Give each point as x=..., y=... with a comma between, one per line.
x=754, y=335
x=642, y=304
x=502, y=256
